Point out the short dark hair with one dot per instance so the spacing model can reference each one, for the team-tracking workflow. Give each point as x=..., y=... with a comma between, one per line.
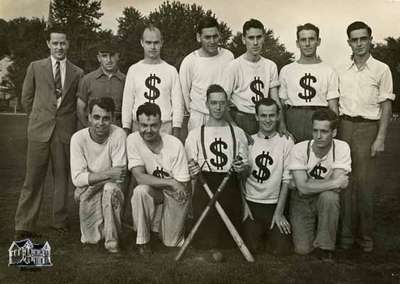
x=307, y=26
x=267, y=102
x=206, y=22
x=106, y=103
x=252, y=23
x=357, y=26
x=148, y=109
x=55, y=28
x=326, y=114
x=215, y=88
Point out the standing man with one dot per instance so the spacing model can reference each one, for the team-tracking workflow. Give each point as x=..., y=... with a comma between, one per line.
x=98, y=168
x=201, y=68
x=214, y=149
x=365, y=105
x=49, y=98
x=307, y=85
x=155, y=81
x=106, y=81
x=158, y=163
x=251, y=77
x=319, y=168
x=266, y=187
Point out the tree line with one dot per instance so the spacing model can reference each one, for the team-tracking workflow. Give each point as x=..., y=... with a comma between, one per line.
x=24, y=40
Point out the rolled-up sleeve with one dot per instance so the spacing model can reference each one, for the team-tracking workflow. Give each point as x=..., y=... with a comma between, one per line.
x=386, y=86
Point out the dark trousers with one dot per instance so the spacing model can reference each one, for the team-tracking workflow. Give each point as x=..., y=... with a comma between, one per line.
x=30, y=200
x=212, y=232
x=246, y=121
x=299, y=123
x=258, y=235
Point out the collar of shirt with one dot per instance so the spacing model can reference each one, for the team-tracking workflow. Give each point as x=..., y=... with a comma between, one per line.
x=368, y=64
x=119, y=75
x=62, y=62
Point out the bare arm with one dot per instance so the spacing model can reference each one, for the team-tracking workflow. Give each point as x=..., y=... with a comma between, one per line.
x=273, y=92
x=177, y=189
x=379, y=143
x=81, y=109
x=333, y=104
x=116, y=174
x=279, y=219
x=307, y=185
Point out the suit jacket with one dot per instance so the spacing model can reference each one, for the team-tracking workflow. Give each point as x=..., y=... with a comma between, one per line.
x=40, y=102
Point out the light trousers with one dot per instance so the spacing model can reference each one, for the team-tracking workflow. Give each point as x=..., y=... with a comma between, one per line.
x=154, y=210
x=100, y=214
x=314, y=220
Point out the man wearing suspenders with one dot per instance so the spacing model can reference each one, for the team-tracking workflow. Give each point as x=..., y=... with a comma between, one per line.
x=214, y=149
x=319, y=168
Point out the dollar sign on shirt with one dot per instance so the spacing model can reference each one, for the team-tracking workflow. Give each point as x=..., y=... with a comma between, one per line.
x=256, y=86
x=309, y=92
x=154, y=92
x=317, y=171
x=220, y=158
x=263, y=172
x=160, y=173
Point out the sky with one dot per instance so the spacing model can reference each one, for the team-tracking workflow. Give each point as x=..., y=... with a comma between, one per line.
x=282, y=16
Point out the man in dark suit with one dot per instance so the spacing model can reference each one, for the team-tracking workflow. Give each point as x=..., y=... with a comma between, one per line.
x=49, y=98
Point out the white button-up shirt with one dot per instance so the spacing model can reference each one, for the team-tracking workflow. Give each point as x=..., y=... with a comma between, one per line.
x=362, y=90
x=62, y=71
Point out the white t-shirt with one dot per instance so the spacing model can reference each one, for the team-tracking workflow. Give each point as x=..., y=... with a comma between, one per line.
x=88, y=156
x=338, y=157
x=155, y=83
x=197, y=73
x=170, y=162
x=269, y=160
x=248, y=82
x=308, y=84
x=218, y=143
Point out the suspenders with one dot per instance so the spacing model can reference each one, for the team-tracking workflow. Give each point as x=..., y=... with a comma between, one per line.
x=203, y=148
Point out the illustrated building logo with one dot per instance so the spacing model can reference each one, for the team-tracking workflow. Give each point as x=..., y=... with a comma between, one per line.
x=24, y=253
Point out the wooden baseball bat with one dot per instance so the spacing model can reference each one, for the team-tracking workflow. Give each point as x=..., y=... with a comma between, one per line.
x=202, y=216
x=231, y=228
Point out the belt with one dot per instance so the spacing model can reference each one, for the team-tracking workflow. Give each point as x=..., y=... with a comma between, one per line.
x=356, y=118
x=306, y=107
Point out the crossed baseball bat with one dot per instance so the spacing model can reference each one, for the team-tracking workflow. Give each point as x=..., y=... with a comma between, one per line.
x=231, y=228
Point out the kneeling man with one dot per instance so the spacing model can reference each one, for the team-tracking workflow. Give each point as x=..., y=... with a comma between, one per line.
x=158, y=163
x=266, y=188
x=319, y=168
x=214, y=149
x=98, y=168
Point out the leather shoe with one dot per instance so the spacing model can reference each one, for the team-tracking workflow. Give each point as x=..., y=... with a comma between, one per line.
x=21, y=235
x=145, y=250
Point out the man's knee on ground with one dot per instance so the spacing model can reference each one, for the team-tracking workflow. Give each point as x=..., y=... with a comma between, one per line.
x=302, y=249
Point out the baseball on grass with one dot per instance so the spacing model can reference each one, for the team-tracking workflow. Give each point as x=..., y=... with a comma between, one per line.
x=217, y=256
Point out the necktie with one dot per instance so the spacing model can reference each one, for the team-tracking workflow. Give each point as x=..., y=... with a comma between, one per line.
x=57, y=80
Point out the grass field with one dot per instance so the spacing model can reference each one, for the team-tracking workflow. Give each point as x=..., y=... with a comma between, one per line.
x=74, y=264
